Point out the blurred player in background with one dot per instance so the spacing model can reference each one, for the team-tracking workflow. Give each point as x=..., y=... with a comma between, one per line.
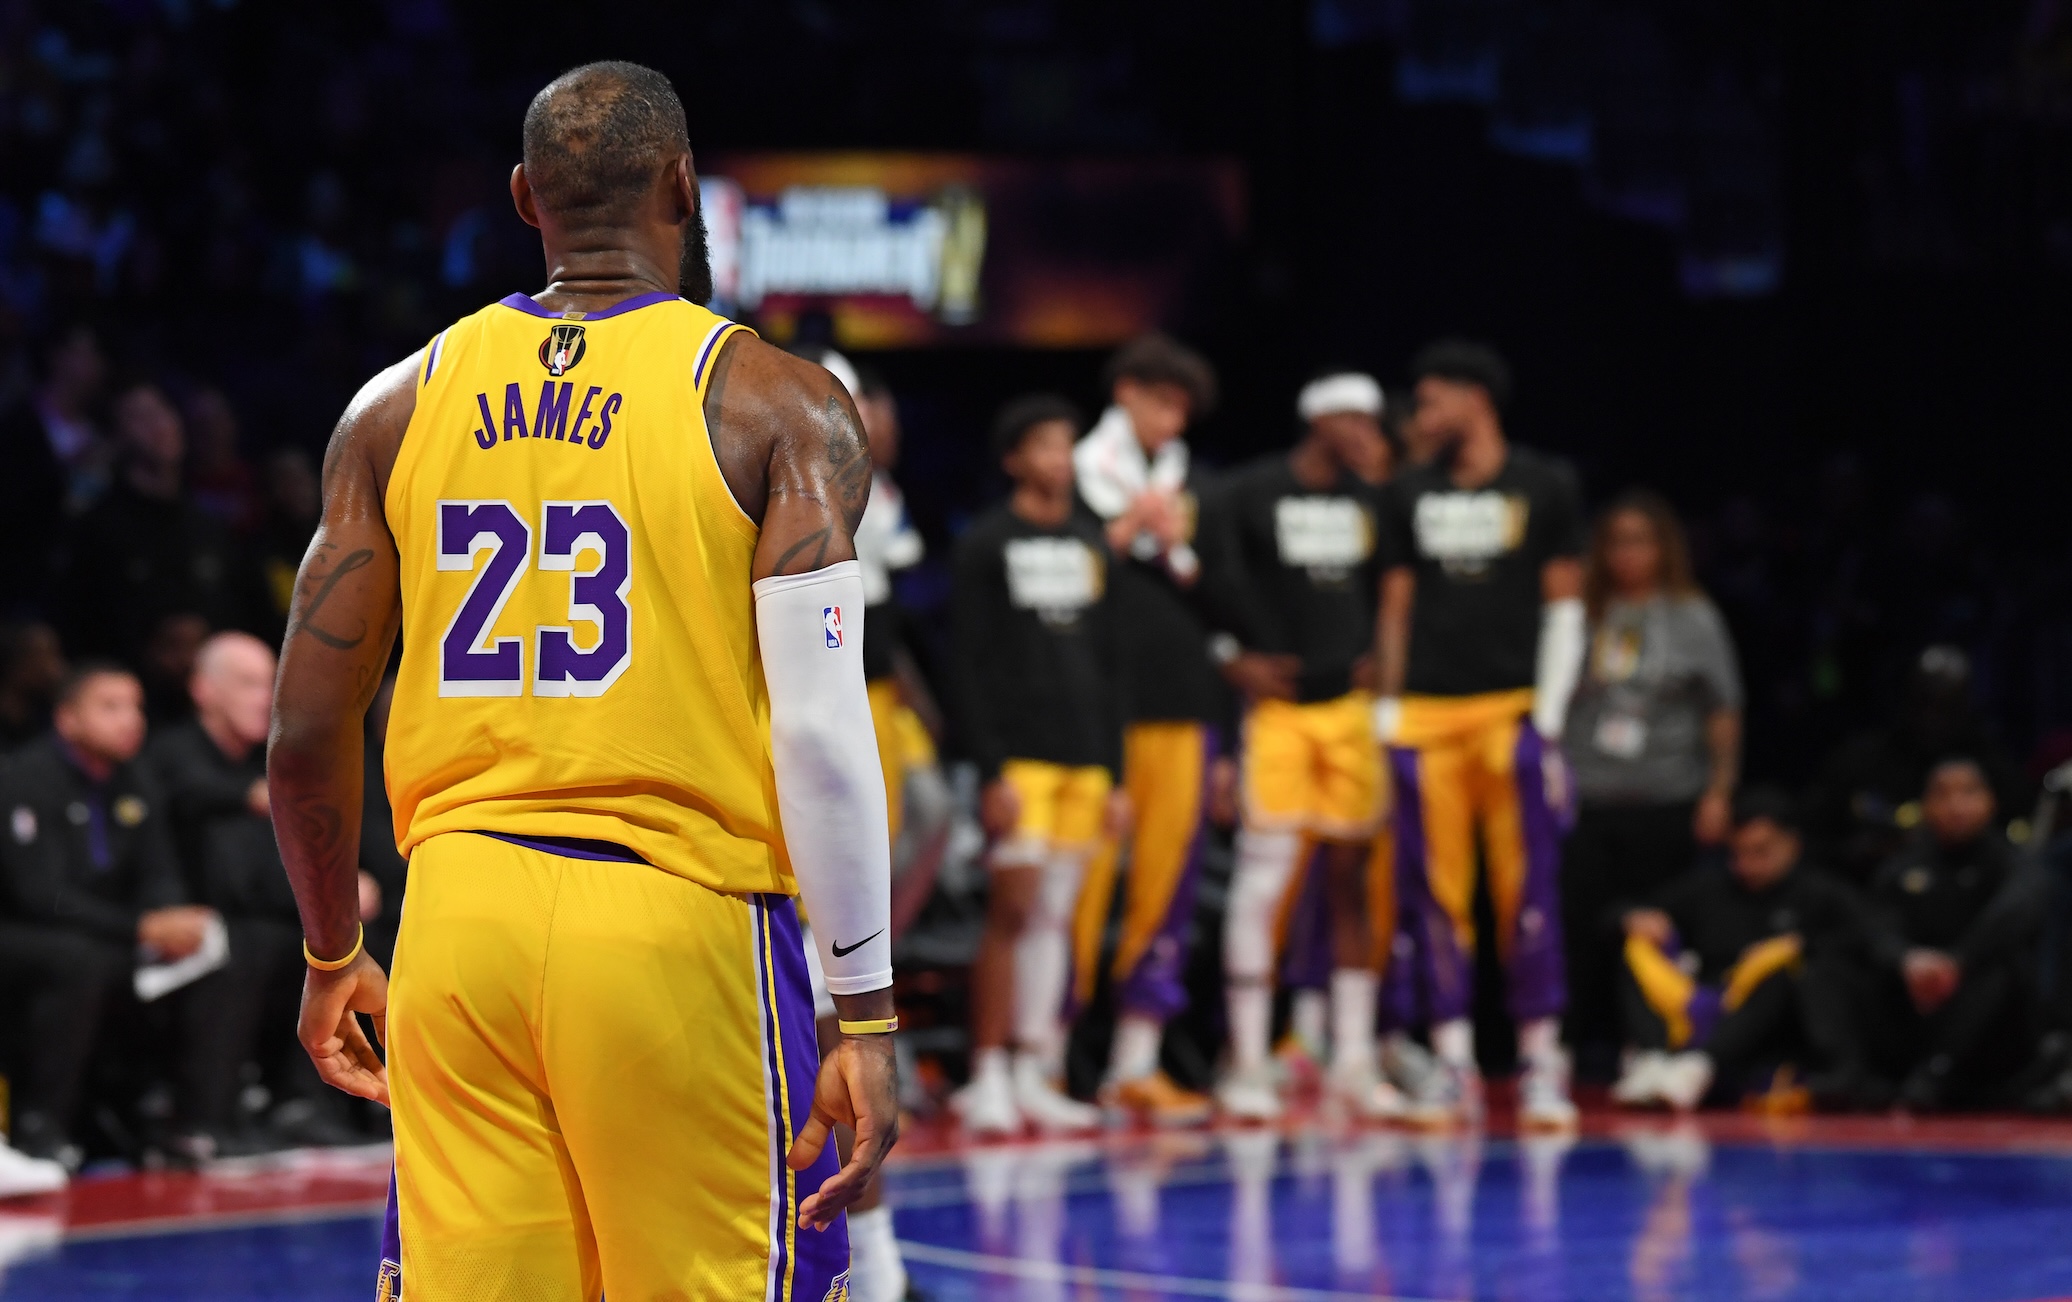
x=1133, y=471
x=600, y=1033
x=1480, y=643
x=1036, y=667
x=1294, y=571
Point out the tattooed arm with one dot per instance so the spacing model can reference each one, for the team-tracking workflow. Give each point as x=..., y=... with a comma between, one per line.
x=348, y=604
x=792, y=451
x=793, y=454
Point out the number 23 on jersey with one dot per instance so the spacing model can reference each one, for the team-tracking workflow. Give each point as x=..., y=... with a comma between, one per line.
x=494, y=539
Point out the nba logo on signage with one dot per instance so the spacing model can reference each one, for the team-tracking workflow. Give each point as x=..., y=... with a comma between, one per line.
x=831, y=622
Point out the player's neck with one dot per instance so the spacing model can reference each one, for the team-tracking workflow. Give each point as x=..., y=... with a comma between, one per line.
x=1314, y=466
x=593, y=279
x=1041, y=506
x=1480, y=457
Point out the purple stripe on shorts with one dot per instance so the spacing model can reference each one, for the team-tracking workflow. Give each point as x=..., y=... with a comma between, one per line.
x=1156, y=986
x=1440, y=975
x=524, y=303
x=389, y=1286
x=820, y=1255
x=1538, y=976
x=570, y=847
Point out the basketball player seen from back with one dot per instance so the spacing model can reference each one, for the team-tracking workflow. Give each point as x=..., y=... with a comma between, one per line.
x=630, y=725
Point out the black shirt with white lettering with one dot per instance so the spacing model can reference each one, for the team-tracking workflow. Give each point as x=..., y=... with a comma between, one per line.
x=1035, y=665
x=1163, y=634
x=1477, y=554
x=1293, y=570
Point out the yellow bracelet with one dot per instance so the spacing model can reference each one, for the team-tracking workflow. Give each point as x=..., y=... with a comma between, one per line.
x=334, y=964
x=876, y=1026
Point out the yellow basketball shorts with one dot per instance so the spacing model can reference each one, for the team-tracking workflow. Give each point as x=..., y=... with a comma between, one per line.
x=1062, y=808
x=1313, y=768
x=1165, y=769
x=596, y=1069
x=903, y=743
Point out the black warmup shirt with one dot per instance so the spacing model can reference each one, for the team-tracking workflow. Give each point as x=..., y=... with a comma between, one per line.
x=84, y=855
x=1717, y=917
x=1163, y=637
x=1036, y=657
x=229, y=851
x=1294, y=570
x=1972, y=900
x=1477, y=554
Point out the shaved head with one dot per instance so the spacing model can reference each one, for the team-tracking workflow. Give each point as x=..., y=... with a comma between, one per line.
x=232, y=689
x=598, y=141
x=597, y=137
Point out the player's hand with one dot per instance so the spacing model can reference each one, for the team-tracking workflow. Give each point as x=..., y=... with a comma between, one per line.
x=330, y=1029
x=1117, y=815
x=176, y=932
x=999, y=808
x=1713, y=818
x=1651, y=925
x=1263, y=677
x=858, y=1087
x=1931, y=978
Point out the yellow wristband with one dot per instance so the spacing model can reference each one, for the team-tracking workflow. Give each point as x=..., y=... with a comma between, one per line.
x=876, y=1026
x=334, y=964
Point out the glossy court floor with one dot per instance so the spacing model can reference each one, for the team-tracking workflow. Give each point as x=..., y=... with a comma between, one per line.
x=1725, y=1207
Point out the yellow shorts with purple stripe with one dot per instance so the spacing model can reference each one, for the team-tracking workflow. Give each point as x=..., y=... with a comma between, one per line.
x=596, y=1069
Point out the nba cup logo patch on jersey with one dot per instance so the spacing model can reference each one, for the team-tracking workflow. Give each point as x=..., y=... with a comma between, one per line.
x=831, y=623
x=562, y=349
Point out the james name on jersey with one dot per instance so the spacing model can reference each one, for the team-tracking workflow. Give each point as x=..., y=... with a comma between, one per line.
x=557, y=416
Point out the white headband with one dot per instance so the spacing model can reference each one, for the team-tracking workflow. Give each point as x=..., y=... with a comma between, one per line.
x=1344, y=391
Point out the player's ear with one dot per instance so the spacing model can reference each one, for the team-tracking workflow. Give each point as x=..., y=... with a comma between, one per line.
x=683, y=179
x=521, y=197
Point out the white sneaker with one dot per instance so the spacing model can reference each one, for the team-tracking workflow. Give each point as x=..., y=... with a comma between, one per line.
x=1640, y=1085
x=1543, y=1101
x=987, y=1108
x=1361, y=1089
x=1448, y=1098
x=1045, y=1107
x=1685, y=1080
x=1249, y=1096
x=22, y=1175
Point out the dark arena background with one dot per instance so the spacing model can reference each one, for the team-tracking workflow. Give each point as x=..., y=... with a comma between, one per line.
x=1803, y=270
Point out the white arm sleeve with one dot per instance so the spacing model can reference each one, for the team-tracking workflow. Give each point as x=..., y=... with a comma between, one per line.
x=830, y=789
x=1560, y=663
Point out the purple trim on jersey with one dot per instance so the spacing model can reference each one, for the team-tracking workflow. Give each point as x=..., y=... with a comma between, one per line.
x=1538, y=975
x=431, y=361
x=524, y=303
x=570, y=847
x=708, y=350
x=818, y=1255
x=1156, y=986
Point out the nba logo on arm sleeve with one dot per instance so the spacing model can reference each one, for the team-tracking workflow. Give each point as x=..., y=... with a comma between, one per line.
x=831, y=624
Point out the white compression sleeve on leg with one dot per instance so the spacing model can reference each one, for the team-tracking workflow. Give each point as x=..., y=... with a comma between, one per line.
x=1559, y=664
x=1043, y=960
x=1265, y=863
x=830, y=790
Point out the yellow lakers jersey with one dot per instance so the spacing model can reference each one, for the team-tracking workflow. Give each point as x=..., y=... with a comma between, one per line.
x=579, y=652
